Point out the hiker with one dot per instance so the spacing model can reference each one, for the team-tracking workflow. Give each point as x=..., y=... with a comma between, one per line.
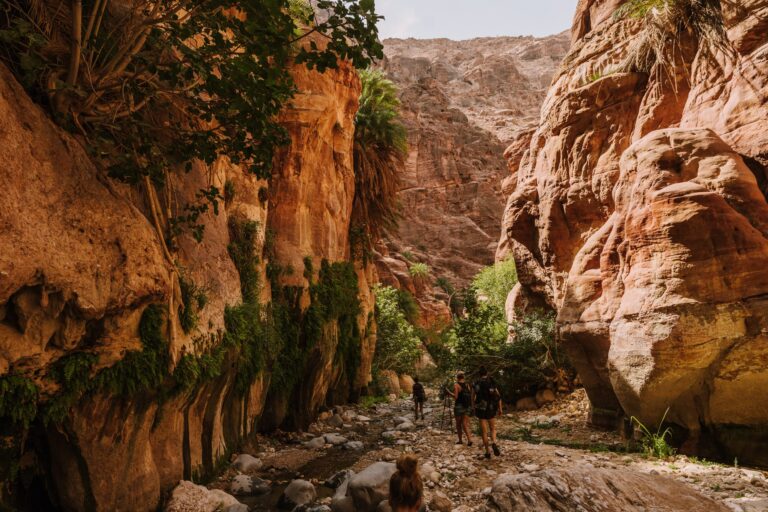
x=419, y=397
x=406, y=490
x=487, y=407
x=462, y=396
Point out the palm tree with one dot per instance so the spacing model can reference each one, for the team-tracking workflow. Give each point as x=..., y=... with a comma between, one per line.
x=381, y=145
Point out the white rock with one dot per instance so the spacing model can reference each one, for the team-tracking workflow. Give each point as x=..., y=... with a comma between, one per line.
x=315, y=444
x=354, y=445
x=247, y=463
x=335, y=439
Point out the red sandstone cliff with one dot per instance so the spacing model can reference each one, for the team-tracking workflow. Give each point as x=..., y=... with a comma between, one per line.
x=80, y=261
x=462, y=102
x=638, y=213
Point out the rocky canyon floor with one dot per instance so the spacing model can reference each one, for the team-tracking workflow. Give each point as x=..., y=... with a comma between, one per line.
x=550, y=457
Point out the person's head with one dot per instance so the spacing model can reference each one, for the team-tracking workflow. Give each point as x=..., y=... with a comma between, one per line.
x=406, y=489
x=416, y=379
x=483, y=372
x=460, y=376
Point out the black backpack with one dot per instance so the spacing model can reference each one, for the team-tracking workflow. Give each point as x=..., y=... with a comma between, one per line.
x=418, y=391
x=465, y=395
x=487, y=395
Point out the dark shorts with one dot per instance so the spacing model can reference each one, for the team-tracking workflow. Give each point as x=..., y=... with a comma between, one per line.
x=460, y=410
x=487, y=413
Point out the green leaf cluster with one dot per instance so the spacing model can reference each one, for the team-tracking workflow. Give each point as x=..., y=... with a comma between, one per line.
x=161, y=85
x=398, y=346
x=380, y=149
x=495, y=282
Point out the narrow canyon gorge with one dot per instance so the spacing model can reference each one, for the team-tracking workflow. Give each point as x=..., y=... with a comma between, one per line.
x=203, y=330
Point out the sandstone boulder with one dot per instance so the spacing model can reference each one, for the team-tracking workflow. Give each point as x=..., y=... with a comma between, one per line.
x=638, y=213
x=190, y=497
x=406, y=384
x=371, y=486
x=590, y=489
x=297, y=494
x=389, y=382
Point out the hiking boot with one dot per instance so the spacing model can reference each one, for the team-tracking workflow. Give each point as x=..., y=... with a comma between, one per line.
x=459, y=442
x=469, y=443
x=496, y=451
x=487, y=455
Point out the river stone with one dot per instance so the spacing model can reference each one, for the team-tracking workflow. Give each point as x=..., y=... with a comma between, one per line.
x=406, y=426
x=190, y=497
x=316, y=443
x=339, y=479
x=247, y=463
x=440, y=503
x=354, y=445
x=363, y=419
x=390, y=435
x=553, y=490
x=245, y=485
x=343, y=504
x=298, y=493
x=371, y=486
x=335, y=421
x=335, y=439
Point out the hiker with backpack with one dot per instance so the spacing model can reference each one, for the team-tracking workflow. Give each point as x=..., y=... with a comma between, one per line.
x=487, y=407
x=462, y=408
x=419, y=397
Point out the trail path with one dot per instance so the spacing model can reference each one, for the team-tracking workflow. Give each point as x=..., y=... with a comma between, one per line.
x=555, y=438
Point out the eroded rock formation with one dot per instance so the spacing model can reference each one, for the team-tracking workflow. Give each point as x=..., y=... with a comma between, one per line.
x=638, y=213
x=462, y=102
x=82, y=267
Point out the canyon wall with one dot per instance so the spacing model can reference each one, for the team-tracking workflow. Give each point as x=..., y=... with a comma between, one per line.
x=462, y=102
x=144, y=398
x=639, y=214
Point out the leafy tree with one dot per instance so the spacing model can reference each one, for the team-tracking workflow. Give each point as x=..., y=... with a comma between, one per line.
x=397, y=347
x=496, y=281
x=155, y=85
x=480, y=337
x=381, y=145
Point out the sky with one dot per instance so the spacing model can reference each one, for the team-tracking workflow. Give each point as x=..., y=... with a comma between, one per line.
x=465, y=19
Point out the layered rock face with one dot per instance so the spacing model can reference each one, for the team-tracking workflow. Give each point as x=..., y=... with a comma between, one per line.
x=639, y=214
x=81, y=261
x=462, y=103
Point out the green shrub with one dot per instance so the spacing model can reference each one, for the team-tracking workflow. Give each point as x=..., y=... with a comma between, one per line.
x=18, y=399
x=398, y=347
x=480, y=337
x=419, y=270
x=243, y=236
x=193, y=300
x=656, y=444
x=408, y=305
x=445, y=285
x=496, y=281
x=140, y=370
x=73, y=374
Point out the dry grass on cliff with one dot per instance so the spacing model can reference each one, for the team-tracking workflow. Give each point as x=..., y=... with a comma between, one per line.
x=665, y=24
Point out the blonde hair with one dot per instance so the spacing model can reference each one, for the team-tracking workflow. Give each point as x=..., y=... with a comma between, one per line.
x=405, y=487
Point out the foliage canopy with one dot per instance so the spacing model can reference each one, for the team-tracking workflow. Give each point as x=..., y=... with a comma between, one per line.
x=153, y=86
x=397, y=345
x=381, y=145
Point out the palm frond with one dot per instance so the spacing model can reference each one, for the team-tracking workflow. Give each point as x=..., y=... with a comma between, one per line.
x=381, y=146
